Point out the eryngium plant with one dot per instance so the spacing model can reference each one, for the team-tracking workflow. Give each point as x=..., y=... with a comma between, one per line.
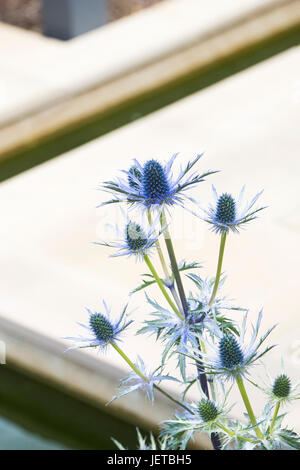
x=203, y=328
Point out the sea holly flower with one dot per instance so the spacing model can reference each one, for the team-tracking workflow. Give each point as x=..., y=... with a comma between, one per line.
x=204, y=416
x=233, y=356
x=144, y=381
x=228, y=213
x=134, y=240
x=153, y=186
x=280, y=390
x=102, y=330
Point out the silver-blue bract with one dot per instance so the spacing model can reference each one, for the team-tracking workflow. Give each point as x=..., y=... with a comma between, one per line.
x=279, y=389
x=233, y=356
x=135, y=382
x=101, y=328
x=210, y=314
x=172, y=331
x=143, y=444
x=228, y=213
x=153, y=185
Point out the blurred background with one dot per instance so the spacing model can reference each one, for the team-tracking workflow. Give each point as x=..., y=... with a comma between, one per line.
x=85, y=86
x=28, y=14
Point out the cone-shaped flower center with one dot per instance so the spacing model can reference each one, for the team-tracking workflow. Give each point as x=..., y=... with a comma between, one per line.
x=282, y=386
x=230, y=352
x=102, y=328
x=225, y=213
x=135, y=236
x=155, y=183
x=134, y=171
x=207, y=410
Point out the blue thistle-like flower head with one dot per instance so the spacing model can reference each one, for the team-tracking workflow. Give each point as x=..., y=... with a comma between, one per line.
x=101, y=326
x=225, y=213
x=228, y=213
x=234, y=356
x=204, y=416
x=135, y=237
x=282, y=386
x=153, y=186
x=134, y=240
x=207, y=410
x=102, y=329
x=279, y=389
x=230, y=352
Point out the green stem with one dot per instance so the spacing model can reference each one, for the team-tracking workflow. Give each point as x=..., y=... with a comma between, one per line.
x=160, y=252
x=174, y=263
x=129, y=362
x=140, y=374
x=219, y=268
x=171, y=398
x=248, y=406
x=275, y=416
x=230, y=433
x=162, y=287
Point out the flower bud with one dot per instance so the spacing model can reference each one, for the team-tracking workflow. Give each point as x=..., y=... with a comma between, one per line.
x=135, y=236
x=207, y=410
x=230, y=352
x=225, y=213
x=102, y=328
x=155, y=183
x=282, y=386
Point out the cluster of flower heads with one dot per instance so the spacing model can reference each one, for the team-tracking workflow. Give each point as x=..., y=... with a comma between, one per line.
x=215, y=343
x=180, y=335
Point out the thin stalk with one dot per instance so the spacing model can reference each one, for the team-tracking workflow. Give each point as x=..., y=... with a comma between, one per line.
x=171, y=398
x=160, y=252
x=162, y=287
x=219, y=268
x=140, y=374
x=275, y=416
x=248, y=406
x=230, y=433
x=168, y=279
x=129, y=362
x=174, y=263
